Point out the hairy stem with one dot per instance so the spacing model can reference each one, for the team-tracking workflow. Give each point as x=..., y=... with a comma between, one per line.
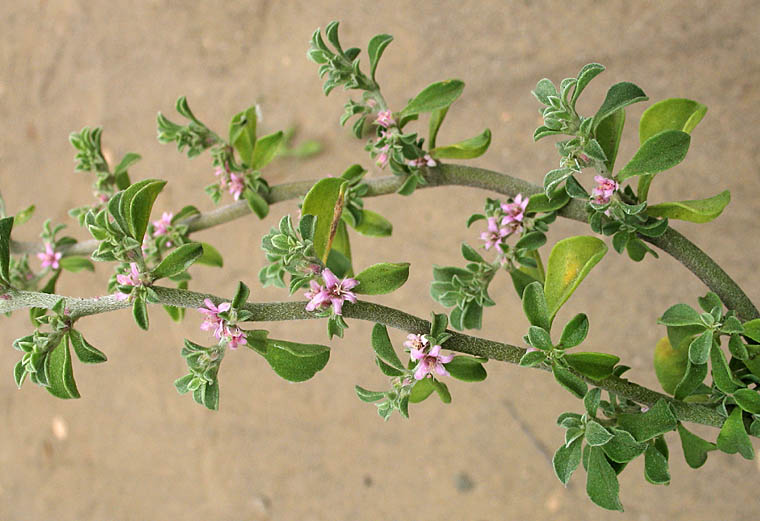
x=280, y=311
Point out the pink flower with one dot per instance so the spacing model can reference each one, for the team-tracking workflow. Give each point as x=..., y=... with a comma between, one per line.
x=418, y=342
x=422, y=161
x=515, y=211
x=605, y=187
x=161, y=226
x=385, y=119
x=50, y=257
x=382, y=157
x=222, y=175
x=429, y=362
x=212, y=320
x=494, y=235
x=236, y=186
x=334, y=292
x=130, y=279
x=235, y=337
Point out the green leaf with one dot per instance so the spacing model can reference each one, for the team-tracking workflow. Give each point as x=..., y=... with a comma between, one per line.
x=436, y=119
x=210, y=256
x=374, y=225
x=383, y=347
x=680, y=315
x=140, y=205
x=592, y=400
x=243, y=133
x=623, y=448
x=532, y=358
x=375, y=49
x=60, y=374
x=660, y=152
x=733, y=438
x=266, y=149
x=575, y=331
x=19, y=373
x=696, y=211
x=256, y=203
x=435, y=96
x=467, y=369
x=602, y=484
x=748, y=399
x=442, y=390
x=324, y=201
x=699, y=349
x=531, y=240
x=569, y=262
x=594, y=365
x=587, y=73
x=722, y=376
x=596, y=435
x=382, y=278
x=608, y=133
x=467, y=149
x=24, y=215
x=542, y=203
x=566, y=460
x=6, y=224
x=569, y=381
x=669, y=364
x=535, y=306
x=544, y=89
x=670, y=114
x=618, y=96
x=421, y=390
x=179, y=260
x=539, y=338
x=692, y=378
x=210, y=397
x=695, y=449
x=656, y=421
x=241, y=295
x=369, y=396
x=76, y=264
x=296, y=362
x=752, y=329
x=656, y=467
x=86, y=352
x=140, y=313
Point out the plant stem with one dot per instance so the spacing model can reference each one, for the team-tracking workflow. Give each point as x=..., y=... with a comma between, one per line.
x=280, y=311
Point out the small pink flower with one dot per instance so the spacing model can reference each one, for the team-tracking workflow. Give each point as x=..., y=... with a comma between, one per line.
x=422, y=161
x=385, y=119
x=334, y=292
x=418, y=342
x=235, y=337
x=514, y=211
x=212, y=320
x=221, y=173
x=382, y=157
x=237, y=185
x=494, y=235
x=50, y=257
x=161, y=226
x=429, y=362
x=130, y=279
x=605, y=187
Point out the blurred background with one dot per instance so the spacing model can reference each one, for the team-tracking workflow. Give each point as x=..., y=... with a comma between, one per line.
x=132, y=448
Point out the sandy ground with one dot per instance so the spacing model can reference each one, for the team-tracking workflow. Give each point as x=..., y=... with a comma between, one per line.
x=133, y=449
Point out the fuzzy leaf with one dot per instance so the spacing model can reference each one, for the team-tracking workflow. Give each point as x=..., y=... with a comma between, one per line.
x=324, y=201
x=656, y=467
x=296, y=362
x=467, y=369
x=696, y=211
x=435, y=96
x=211, y=256
x=60, y=374
x=608, y=133
x=669, y=364
x=733, y=437
x=594, y=365
x=375, y=49
x=266, y=149
x=575, y=331
x=86, y=352
x=76, y=264
x=382, y=278
x=467, y=149
x=383, y=347
x=374, y=225
x=178, y=261
x=695, y=449
x=660, y=152
x=670, y=114
x=748, y=399
x=569, y=381
x=535, y=306
x=602, y=484
x=656, y=421
x=618, y=96
x=243, y=133
x=566, y=460
x=6, y=224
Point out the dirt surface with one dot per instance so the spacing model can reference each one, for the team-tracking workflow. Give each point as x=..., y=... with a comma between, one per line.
x=133, y=449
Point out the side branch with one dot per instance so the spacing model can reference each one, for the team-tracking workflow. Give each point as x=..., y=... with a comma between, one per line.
x=280, y=311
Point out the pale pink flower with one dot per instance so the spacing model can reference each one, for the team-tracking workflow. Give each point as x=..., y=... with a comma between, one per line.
x=235, y=337
x=430, y=362
x=129, y=279
x=222, y=175
x=385, y=119
x=422, y=161
x=50, y=257
x=212, y=320
x=382, y=157
x=237, y=185
x=604, y=189
x=495, y=235
x=161, y=226
x=514, y=211
x=418, y=342
x=334, y=292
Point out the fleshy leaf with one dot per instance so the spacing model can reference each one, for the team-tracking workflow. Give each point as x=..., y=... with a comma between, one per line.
x=374, y=225
x=696, y=211
x=618, y=96
x=382, y=278
x=296, y=362
x=266, y=149
x=86, y=352
x=435, y=96
x=535, y=306
x=695, y=449
x=656, y=466
x=670, y=114
x=76, y=264
x=467, y=369
x=656, y=421
x=569, y=381
x=608, y=133
x=669, y=364
x=602, y=484
x=60, y=374
x=138, y=215
x=748, y=399
x=324, y=201
x=178, y=260
x=660, y=152
x=375, y=49
x=366, y=395
x=733, y=437
x=594, y=365
x=211, y=256
x=569, y=262
x=383, y=347
x=566, y=460
x=243, y=133
x=6, y=224
x=436, y=120
x=421, y=390
x=467, y=149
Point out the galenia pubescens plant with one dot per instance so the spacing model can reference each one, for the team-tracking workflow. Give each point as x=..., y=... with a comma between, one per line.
x=618, y=421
